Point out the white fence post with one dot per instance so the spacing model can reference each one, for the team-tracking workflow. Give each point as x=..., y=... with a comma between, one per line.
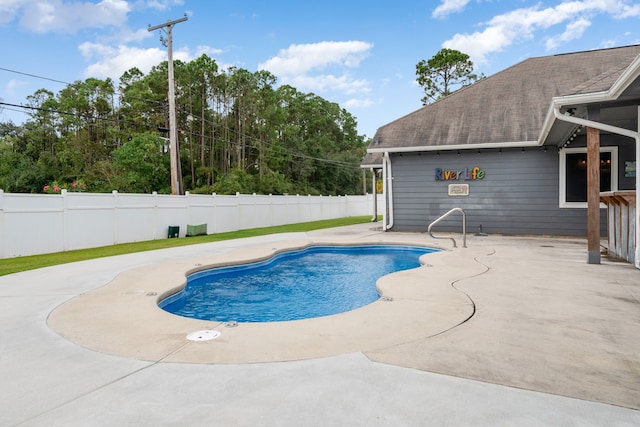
x=2, y=240
x=155, y=214
x=114, y=201
x=65, y=227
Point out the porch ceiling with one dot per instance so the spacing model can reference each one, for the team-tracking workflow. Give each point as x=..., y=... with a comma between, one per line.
x=615, y=113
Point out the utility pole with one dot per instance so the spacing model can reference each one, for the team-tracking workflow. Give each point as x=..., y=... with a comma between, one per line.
x=176, y=178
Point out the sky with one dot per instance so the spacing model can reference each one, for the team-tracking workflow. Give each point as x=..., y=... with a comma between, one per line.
x=355, y=53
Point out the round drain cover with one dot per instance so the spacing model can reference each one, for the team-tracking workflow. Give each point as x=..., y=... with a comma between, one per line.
x=205, y=335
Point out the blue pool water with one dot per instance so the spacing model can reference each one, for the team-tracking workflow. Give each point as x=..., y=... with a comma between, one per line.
x=300, y=284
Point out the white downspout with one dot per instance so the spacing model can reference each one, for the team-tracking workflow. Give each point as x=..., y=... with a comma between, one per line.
x=387, y=180
x=620, y=131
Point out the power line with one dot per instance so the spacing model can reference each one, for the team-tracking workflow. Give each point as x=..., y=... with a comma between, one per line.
x=69, y=84
x=33, y=75
x=82, y=116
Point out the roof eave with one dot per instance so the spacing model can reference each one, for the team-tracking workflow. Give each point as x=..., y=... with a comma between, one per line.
x=424, y=148
x=569, y=100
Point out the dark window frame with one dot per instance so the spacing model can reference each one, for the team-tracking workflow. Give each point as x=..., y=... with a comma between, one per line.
x=572, y=160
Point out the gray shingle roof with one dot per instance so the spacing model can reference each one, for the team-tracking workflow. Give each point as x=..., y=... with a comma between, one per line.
x=599, y=83
x=508, y=107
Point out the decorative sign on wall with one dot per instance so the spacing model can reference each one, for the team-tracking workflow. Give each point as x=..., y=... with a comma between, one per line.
x=458, y=189
x=455, y=175
x=629, y=169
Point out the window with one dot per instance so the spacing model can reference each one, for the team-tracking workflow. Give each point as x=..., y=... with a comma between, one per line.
x=573, y=175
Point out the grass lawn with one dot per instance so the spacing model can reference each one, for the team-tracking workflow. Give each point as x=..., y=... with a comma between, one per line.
x=14, y=265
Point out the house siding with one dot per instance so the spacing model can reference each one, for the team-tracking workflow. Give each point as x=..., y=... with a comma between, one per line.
x=518, y=195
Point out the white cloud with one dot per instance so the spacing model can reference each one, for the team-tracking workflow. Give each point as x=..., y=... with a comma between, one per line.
x=114, y=61
x=628, y=11
x=65, y=17
x=358, y=103
x=162, y=4
x=9, y=10
x=524, y=24
x=206, y=50
x=324, y=82
x=573, y=31
x=448, y=7
x=302, y=58
x=305, y=66
x=109, y=61
x=13, y=85
x=127, y=36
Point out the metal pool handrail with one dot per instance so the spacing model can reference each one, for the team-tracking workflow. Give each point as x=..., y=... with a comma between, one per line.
x=464, y=227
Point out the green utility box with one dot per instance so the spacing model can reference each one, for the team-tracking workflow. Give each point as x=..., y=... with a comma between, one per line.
x=197, y=230
x=174, y=231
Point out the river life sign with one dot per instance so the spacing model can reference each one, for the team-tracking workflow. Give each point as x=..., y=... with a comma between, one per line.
x=466, y=174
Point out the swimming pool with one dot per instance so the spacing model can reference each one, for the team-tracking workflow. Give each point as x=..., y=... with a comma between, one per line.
x=306, y=283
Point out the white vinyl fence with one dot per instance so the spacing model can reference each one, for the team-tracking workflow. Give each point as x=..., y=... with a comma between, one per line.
x=33, y=224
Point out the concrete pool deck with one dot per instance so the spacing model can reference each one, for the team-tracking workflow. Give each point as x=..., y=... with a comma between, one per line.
x=509, y=331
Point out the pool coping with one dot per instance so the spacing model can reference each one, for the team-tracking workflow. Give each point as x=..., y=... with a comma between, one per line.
x=123, y=318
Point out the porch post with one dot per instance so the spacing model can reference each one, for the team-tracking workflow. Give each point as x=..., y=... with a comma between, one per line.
x=375, y=196
x=593, y=195
x=637, y=207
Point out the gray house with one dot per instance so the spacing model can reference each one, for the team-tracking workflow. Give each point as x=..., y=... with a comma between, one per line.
x=511, y=149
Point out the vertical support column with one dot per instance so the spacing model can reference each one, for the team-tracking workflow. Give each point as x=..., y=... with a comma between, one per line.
x=593, y=195
x=174, y=154
x=637, y=198
x=173, y=132
x=374, y=190
x=385, y=191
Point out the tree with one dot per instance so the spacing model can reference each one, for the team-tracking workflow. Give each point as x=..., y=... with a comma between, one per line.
x=41, y=132
x=439, y=75
x=87, y=125
x=141, y=166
